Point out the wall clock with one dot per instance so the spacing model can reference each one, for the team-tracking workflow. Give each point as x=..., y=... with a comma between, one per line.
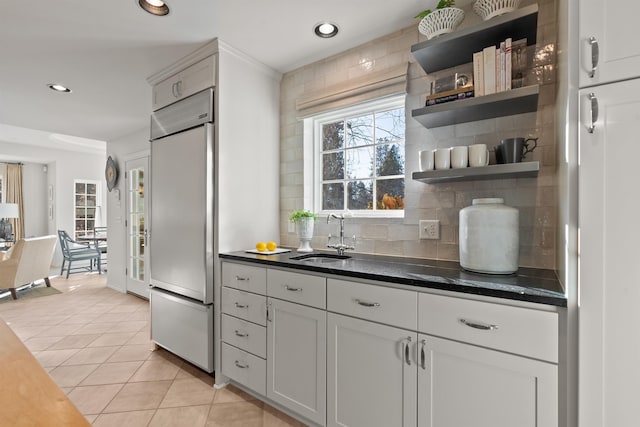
x=111, y=173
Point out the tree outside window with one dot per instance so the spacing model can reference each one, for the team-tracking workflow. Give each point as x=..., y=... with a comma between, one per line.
x=362, y=166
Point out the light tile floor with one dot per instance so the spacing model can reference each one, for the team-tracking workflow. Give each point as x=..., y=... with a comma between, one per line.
x=94, y=342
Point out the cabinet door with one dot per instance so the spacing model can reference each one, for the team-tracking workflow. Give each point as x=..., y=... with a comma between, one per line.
x=370, y=381
x=611, y=26
x=296, y=358
x=609, y=275
x=464, y=385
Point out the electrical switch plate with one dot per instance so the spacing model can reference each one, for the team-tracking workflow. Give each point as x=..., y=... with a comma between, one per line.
x=429, y=229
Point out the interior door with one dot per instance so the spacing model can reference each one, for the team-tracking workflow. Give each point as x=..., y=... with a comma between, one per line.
x=137, y=186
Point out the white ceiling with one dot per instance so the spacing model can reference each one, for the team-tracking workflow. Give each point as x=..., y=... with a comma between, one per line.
x=104, y=50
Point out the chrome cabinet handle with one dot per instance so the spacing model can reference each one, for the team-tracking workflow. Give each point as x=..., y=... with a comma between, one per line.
x=477, y=325
x=241, y=334
x=242, y=279
x=240, y=365
x=595, y=55
x=594, y=112
x=174, y=90
x=423, y=357
x=238, y=305
x=367, y=304
x=269, y=311
x=407, y=345
x=179, y=88
x=292, y=289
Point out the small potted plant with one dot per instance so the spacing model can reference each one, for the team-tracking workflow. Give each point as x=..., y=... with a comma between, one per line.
x=445, y=19
x=304, y=221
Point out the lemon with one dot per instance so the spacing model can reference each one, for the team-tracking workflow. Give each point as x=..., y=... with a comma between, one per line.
x=261, y=246
x=272, y=246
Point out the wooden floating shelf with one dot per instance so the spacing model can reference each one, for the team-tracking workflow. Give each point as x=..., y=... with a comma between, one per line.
x=505, y=171
x=507, y=103
x=450, y=50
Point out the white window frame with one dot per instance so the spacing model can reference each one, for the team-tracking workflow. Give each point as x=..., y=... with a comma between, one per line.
x=313, y=148
x=98, y=185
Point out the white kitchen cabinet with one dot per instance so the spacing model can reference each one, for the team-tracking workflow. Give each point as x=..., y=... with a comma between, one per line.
x=193, y=79
x=609, y=344
x=371, y=374
x=612, y=27
x=465, y=385
x=296, y=358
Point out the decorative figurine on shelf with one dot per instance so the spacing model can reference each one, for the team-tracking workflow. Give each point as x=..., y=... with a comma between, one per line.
x=304, y=221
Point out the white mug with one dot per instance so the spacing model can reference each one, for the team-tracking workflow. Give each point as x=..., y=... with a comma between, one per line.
x=459, y=157
x=426, y=160
x=478, y=155
x=442, y=158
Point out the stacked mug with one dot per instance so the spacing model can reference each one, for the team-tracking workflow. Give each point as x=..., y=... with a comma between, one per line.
x=476, y=155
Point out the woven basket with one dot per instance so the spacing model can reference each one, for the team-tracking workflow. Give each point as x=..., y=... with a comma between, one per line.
x=441, y=21
x=488, y=9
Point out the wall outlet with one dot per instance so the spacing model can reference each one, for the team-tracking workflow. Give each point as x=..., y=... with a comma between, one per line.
x=429, y=229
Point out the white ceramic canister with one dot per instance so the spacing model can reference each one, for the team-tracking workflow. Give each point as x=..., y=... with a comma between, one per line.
x=489, y=238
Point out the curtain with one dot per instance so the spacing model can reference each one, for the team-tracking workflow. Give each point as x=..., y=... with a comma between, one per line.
x=13, y=186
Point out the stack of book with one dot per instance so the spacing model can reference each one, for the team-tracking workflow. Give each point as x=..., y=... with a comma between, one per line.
x=450, y=95
x=492, y=68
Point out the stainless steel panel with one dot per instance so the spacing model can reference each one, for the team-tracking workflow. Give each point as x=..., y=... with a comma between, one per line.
x=181, y=220
x=183, y=327
x=186, y=114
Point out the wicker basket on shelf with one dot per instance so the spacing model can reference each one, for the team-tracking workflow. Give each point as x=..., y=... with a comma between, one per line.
x=441, y=21
x=488, y=9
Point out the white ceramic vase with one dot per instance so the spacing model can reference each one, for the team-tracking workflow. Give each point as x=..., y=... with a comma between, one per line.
x=305, y=234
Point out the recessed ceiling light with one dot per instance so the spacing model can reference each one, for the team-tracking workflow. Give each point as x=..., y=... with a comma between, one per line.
x=154, y=7
x=58, y=87
x=325, y=30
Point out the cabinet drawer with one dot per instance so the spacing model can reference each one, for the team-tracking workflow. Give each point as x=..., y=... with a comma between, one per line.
x=245, y=305
x=517, y=330
x=244, y=277
x=245, y=335
x=391, y=306
x=245, y=368
x=296, y=287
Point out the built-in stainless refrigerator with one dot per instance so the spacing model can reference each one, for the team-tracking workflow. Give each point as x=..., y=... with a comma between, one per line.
x=182, y=228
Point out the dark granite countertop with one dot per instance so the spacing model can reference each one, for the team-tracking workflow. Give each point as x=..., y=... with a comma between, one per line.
x=528, y=284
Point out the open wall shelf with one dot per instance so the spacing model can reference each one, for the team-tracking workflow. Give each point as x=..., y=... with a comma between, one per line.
x=458, y=47
x=509, y=170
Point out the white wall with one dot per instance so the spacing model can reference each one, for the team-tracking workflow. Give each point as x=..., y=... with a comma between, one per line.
x=121, y=150
x=34, y=193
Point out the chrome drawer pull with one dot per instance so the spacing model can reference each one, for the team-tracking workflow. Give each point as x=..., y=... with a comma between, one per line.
x=238, y=305
x=367, y=304
x=595, y=54
x=594, y=111
x=242, y=279
x=423, y=358
x=476, y=325
x=241, y=334
x=240, y=365
x=407, y=345
x=289, y=288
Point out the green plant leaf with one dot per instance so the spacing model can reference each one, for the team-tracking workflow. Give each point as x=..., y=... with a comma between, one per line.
x=296, y=216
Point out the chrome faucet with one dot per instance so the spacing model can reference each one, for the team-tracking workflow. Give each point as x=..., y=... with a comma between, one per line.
x=340, y=246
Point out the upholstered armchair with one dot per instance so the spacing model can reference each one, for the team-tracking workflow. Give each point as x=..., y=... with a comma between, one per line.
x=27, y=261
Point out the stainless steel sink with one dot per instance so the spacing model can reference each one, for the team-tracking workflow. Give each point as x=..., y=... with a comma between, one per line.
x=320, y=258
